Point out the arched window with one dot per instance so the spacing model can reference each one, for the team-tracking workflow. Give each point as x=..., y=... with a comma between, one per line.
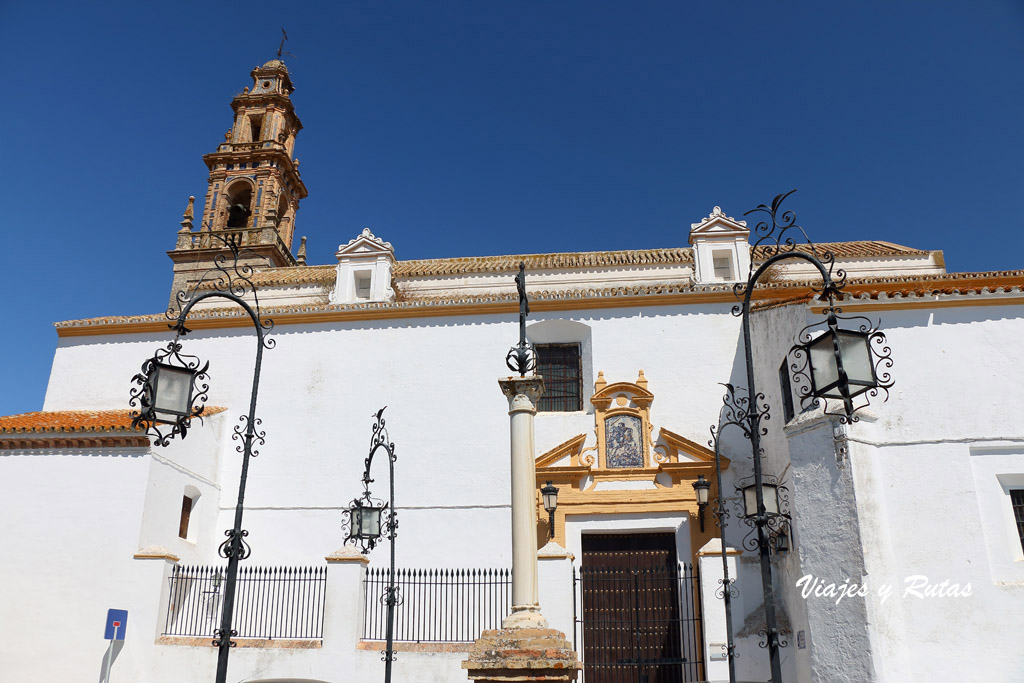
x=239, y=198
x=565, y=360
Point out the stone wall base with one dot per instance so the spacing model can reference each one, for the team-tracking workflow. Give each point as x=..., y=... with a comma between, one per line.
x=522, y=654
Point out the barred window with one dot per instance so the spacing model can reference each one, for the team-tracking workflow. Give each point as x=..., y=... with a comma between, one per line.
x=559, y=365
x=1017, y=500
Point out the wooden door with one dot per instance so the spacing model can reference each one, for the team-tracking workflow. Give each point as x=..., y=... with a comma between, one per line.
x=640, y=619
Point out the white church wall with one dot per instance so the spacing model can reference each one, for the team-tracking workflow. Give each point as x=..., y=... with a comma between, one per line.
x=73, y=528
x=911, y=468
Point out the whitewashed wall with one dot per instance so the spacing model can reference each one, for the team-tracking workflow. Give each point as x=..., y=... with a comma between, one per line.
x=920, y=492
x=923, y=477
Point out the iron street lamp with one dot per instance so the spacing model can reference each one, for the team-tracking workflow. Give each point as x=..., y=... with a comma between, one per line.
x=368, y=519
x=171, y=390
x=550, y=496
x=769, y=494
x=701, y=487
x=842, y=364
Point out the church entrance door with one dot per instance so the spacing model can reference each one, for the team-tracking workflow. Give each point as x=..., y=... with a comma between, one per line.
x=638, y=611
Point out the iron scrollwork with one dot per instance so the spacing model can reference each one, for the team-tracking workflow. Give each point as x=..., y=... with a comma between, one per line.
x=235, y=545
x=141, y=397
x=522, y=357
x=778, y=233
x=388, y=517
x=233, y=279
x=799, y=361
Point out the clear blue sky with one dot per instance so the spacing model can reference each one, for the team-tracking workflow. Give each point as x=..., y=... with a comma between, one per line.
x=462, y=128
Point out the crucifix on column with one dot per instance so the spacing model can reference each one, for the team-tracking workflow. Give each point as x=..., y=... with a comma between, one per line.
x=524, y=649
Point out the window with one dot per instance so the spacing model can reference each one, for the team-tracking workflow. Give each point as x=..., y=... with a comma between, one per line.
x=559, y=365
x=722, y=262
x=256, y=127
x=186, y=513
x=1017, y=501
x=787, y=391
x=362, y=285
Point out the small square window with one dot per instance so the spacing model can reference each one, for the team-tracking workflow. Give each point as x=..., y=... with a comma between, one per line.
x=559, y=365
x=722, y=262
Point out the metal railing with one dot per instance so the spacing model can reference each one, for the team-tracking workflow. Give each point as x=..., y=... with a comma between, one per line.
x=271, y=602
x=437, y=605
x=639, y=623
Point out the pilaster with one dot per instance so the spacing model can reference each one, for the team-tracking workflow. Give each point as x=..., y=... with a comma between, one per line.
x=343, y=603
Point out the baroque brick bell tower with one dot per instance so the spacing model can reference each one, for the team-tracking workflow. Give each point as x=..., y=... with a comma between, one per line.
x=254, y=185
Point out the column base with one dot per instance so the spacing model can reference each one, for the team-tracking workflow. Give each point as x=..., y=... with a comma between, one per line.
x=524, y=616
x=513, y=655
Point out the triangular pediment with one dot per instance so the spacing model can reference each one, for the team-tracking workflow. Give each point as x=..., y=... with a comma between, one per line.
x=367, y=244
x=718, y=226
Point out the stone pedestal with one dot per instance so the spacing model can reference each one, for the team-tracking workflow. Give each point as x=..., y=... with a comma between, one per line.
x=522, y=654
x=524, y=649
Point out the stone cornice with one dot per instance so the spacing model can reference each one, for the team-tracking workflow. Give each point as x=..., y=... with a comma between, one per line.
x=78, y=442
x=970, y=288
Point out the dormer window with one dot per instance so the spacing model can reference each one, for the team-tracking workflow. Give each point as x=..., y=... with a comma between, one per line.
x=722, y=262
x=364, y=270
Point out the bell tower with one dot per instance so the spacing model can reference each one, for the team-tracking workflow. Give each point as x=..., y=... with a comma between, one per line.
x=254, y=187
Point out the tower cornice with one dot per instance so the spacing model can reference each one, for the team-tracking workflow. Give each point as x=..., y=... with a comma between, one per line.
x=255, y=152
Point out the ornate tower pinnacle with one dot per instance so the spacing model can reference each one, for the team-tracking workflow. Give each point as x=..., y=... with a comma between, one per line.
x=254, y=187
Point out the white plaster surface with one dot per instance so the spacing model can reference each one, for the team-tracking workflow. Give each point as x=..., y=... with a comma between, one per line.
x=922, y=489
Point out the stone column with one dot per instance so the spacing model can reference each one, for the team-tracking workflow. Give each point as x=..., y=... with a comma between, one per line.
x=524, y=648
x=523, y=394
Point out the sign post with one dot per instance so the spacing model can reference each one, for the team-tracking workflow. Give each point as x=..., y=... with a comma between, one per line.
x=117, y=624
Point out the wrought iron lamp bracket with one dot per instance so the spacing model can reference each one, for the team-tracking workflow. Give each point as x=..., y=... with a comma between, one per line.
x=799, y=362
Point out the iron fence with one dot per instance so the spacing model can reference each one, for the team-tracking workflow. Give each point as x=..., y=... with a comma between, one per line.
x=270, y=602
x=437, y=605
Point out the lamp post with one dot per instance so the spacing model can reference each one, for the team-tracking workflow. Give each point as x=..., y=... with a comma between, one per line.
x=836, y=376
x=549, y=494
x=701, y=488
x=171, y=390
x=367, y=519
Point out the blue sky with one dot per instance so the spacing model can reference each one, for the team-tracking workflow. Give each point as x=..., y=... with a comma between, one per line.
x=464, y=128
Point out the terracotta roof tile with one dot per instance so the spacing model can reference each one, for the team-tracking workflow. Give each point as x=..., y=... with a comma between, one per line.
x=853, y=249
x=74, y=421
x=586, y=259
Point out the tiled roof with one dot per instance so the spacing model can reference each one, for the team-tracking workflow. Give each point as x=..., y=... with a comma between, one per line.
x=298, y=275
x=325, y=274
x=72, y=421
x=866, y=249
x=586, y=259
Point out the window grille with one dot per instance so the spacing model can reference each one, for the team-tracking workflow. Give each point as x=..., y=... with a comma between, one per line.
x=559, y=365
x=1017, y=501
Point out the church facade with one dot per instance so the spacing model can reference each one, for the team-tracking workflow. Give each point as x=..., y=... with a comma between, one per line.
x=900, y=556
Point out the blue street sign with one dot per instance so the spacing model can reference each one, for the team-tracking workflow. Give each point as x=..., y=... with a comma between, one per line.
x=117, y=622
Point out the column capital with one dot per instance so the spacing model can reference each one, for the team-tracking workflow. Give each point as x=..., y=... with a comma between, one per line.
x=522, y=392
